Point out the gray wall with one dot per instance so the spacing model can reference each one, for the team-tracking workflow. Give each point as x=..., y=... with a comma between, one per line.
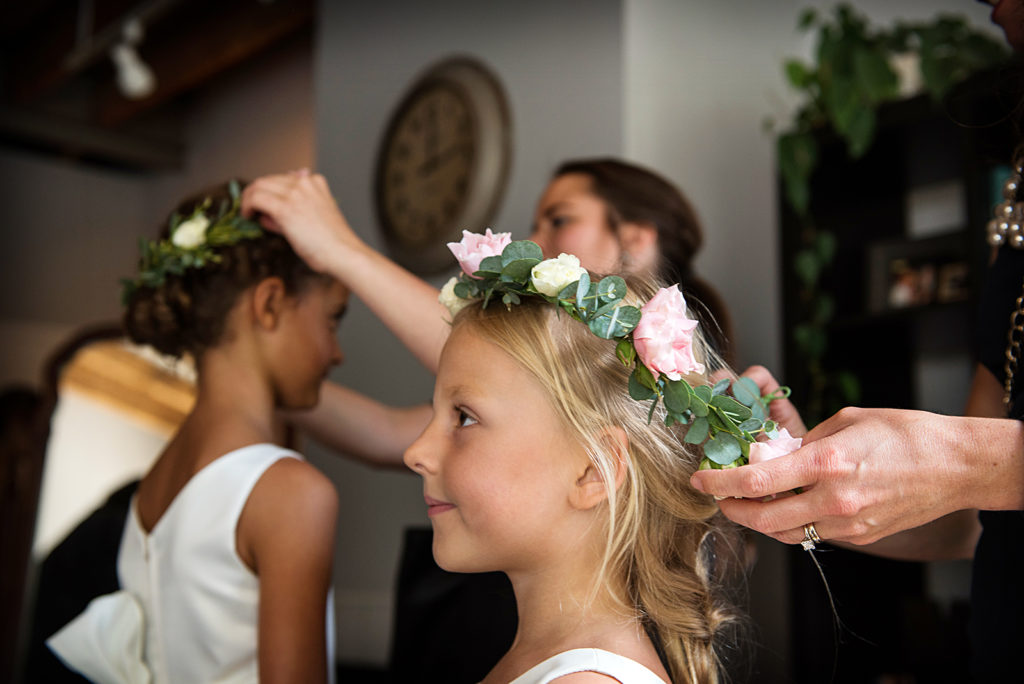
x=562, y=71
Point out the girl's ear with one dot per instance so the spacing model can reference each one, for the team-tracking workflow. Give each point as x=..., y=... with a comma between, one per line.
x=640, y=242
x=590, y=489
x=268, y=301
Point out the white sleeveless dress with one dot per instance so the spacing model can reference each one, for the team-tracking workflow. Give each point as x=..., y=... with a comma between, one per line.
x=189, y=607
x=625, y=670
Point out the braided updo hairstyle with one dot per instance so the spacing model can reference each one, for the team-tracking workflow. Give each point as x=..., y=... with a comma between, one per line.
x=187, y=313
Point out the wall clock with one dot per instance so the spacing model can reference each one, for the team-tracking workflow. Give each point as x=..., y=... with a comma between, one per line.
x=443, y=162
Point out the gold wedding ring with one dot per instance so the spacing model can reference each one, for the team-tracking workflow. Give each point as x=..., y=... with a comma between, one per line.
x=810, y=537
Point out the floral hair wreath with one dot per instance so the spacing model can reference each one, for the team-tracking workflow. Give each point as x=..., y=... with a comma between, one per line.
x=656, y=339
x=192, y=241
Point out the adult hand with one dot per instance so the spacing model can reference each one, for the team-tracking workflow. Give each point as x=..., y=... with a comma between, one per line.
x=299, y=205
x=864, y=474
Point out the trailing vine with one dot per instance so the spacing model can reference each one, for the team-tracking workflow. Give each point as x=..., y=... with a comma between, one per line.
x=852, y=77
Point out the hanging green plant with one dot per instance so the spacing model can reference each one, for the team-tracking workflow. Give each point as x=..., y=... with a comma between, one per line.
x=852, y=77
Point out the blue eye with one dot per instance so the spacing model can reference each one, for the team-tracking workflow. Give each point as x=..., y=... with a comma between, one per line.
x=465, y=420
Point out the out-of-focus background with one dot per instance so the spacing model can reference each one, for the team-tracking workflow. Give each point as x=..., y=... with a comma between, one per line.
x=242, y=88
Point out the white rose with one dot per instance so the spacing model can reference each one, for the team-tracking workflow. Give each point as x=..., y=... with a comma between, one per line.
x=452, y=302
x=550, y=277
x=191, y=233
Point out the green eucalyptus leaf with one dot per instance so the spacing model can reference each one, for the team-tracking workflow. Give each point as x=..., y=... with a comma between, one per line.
x=463, y=290
x=518, y=271
x=703, y=392
x=650, y=413
x=698, y=406
x=489, y=266
x=759, y=412
x=509, y=299
x=737, y=411
x=582, y=288
x=723, y=449
x=721, y=386
x=645, y=377
x=611, y=289
x=750, y=425
x=697, y=432
x=637, y=389
x=746, y=391
x=625, y=351
x=718, y=423
x=618, y=322
x=520, y=250
x=677, y=399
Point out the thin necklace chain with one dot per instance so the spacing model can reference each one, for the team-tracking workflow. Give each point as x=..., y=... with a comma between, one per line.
x=1013, y=342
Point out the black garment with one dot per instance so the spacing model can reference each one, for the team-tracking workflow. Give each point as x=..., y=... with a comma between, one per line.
x=997, y=597
x=80, y=568
x=449, y=627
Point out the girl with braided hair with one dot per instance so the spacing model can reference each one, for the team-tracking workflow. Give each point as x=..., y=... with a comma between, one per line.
x=225, y=558
x=540, y=462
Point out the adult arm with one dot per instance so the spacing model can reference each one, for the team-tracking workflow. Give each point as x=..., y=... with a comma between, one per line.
x=367, y=430
x=867, y=475
x=287, y=532
x=300, y=206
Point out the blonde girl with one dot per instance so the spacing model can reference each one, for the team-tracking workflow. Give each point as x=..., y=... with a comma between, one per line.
x=538, y=462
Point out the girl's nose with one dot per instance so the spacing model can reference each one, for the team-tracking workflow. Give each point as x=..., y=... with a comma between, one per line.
x=420, y=457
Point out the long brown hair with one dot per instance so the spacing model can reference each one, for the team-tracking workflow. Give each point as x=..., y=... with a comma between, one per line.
x=637, y=195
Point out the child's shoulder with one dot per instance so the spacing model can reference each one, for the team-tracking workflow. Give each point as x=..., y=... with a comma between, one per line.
x=291, y=503
x=295, y=482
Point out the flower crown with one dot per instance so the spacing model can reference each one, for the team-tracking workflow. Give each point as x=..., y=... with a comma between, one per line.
x=192, y=242
x=656, y=339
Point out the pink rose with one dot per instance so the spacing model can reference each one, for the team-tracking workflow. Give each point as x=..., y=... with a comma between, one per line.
x=475, y=247
x=773, y=448
x=664, y=336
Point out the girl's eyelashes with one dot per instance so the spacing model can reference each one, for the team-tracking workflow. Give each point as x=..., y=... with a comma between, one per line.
x=465, y=420
x=559, y=221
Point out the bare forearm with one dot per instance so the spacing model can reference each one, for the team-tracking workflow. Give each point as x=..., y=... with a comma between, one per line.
x=359, y=427
x=406, y=304
x=991, y=451
x=951, y=537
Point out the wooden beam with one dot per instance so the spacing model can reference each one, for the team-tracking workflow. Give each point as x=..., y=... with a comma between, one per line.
x=218, y=37
x=81, y=139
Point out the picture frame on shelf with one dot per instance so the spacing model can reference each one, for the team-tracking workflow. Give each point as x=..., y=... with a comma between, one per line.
x=908, y=274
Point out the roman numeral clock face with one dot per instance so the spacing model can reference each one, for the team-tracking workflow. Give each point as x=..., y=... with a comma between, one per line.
x=442, y=163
